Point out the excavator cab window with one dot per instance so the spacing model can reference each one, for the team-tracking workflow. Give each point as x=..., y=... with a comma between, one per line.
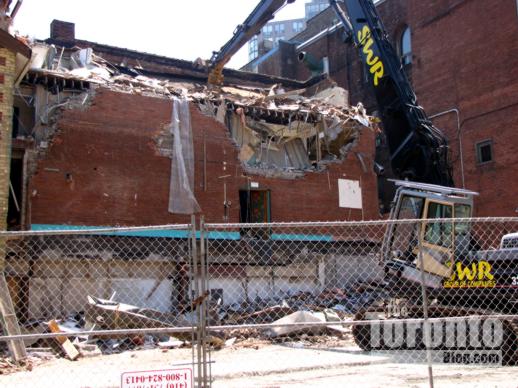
x=439, y=233
x=437, y=236
x=462, y=211
x=405, y=235
x=463, y=241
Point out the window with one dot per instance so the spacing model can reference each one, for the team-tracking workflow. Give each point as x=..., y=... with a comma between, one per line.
x=462, y=211
x=484, y=151
x=405, y=235
x=439, y=233
x=253, y=50
x=405, y=46
x=267, y=30
x=279, y=29
x=298, y=26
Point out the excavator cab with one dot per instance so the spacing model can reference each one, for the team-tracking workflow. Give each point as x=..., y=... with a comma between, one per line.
x=428, y=232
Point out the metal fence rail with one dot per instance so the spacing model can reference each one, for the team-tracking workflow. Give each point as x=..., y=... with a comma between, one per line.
x=225, y=304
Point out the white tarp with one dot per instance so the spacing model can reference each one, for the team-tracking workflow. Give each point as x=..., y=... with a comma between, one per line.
x=181, y=195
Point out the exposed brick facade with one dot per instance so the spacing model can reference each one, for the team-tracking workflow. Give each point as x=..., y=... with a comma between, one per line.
x=103, y=168
x=465, y=56
x=7, y=74
x=63, y=31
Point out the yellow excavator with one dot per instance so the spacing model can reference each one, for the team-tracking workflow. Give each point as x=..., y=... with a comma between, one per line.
x=437, y=251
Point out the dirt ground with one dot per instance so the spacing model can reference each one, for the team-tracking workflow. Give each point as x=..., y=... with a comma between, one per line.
x=301, y=362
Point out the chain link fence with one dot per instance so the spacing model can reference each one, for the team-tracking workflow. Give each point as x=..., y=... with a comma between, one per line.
x=113, y=295
x=428, y=293
x=229, y=304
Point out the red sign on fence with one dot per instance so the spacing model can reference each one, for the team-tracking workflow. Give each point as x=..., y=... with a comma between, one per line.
x=166, y=378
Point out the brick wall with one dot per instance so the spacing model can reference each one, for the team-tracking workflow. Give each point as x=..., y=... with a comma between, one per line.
x=62, y=31
x=103, y=168
x=7, y=74
x=464, y=57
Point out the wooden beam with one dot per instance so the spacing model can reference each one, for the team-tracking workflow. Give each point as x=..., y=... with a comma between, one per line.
x=16, y=347
x=65, y=344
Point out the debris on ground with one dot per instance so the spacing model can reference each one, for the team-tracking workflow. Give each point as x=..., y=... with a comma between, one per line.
x=171, y=343
x=331, y=309
x=66, y=346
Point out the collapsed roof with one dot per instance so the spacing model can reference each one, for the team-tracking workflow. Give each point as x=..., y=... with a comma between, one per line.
x=278, y=131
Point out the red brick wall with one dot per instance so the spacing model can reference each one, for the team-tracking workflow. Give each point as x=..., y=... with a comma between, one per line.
x=465, y=56
x=117, y=177
x=63, y=31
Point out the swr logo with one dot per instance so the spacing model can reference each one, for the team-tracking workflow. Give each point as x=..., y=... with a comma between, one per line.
x=480, y=270
x=472, y=275
x=374, y=62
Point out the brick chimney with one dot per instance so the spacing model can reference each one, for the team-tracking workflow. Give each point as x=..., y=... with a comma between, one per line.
x=63, y=31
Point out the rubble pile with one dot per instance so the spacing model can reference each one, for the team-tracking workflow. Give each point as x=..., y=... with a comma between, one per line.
x=332, y=308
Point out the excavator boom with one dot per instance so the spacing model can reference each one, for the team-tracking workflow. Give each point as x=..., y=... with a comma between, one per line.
x=262, y=14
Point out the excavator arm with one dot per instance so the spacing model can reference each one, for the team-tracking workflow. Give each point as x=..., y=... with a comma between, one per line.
x=261, y=15
x=419, y=151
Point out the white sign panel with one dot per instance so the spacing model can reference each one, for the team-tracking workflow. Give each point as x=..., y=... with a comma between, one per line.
x=166, y=378
x=349, y=194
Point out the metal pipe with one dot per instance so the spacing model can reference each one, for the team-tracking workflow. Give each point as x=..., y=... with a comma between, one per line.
x=187, y=329
x=93, y=230
x=459, y=138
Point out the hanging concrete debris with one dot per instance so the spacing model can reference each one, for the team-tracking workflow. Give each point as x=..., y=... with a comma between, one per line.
x=286, y=133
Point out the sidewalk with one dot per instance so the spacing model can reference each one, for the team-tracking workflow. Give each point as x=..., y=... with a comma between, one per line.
x=268, y=365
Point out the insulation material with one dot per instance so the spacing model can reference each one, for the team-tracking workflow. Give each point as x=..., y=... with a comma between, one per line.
x=181, y=195
x=246, y=153
x=291, y=155
x=242, y=134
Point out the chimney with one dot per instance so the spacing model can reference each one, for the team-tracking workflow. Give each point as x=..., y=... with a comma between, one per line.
x=63, y=31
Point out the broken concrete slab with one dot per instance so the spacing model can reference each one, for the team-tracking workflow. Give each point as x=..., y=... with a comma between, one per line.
x=88, y=350
x=265, y=315
x=171, y=343
x=296, y=317
x=108, y=314
x=304, y=317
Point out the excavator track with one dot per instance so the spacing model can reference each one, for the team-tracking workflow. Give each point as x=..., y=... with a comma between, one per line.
x=362, y=333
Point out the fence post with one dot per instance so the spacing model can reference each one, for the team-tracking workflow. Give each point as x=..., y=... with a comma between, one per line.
x=194, y=295
x=426, y=325
x=204, y=291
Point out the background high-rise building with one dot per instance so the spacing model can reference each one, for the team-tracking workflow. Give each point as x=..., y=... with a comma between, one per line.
x=274, y=31
x=315, y=7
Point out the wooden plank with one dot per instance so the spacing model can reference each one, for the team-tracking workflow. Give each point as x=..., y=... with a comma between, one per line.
x=10, y=322
x=67, y=346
